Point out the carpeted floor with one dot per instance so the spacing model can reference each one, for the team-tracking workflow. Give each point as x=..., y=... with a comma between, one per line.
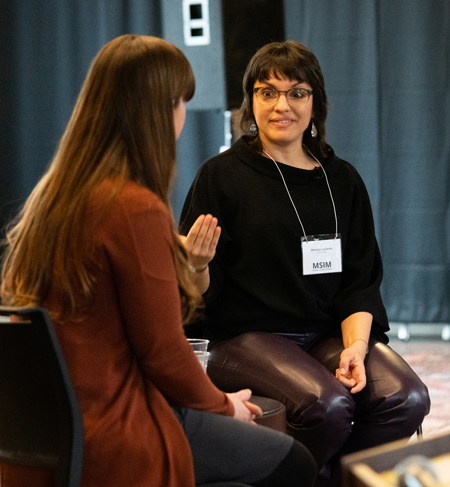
x=430, y=359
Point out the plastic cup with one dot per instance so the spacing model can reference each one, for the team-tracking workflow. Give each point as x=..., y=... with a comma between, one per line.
x=203, y=359
x=199, y=344
x=200, y=347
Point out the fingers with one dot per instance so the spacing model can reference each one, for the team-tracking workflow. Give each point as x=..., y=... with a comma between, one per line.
x=343, y=369
x=215, y=239
x=344, y=364
x=358, y=388
x=241, y=412
x=360, y=378
x=348, y=382
x=253, y=408
x=243, y=409
x=193, y=232
x=354, y=379
x=244, y=394
x=202, y=231
x=202, y=240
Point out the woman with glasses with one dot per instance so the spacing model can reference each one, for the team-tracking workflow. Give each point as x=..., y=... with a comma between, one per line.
x=292, y=288
x=96, y=245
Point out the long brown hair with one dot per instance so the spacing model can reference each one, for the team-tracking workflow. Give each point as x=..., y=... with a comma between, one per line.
x=293, y=61
x=121, y=129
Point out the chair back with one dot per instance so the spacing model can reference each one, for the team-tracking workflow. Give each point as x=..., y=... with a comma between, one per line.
x=40, y=420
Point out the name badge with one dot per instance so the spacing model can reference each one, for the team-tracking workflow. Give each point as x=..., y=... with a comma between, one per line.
x=321, y=254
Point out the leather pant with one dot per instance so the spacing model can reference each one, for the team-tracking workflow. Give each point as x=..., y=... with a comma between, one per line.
x=321, y=412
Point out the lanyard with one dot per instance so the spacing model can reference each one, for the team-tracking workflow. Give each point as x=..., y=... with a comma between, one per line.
x=292, y=201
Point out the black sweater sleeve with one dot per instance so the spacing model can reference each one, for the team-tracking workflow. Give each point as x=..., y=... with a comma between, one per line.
x=362, y=264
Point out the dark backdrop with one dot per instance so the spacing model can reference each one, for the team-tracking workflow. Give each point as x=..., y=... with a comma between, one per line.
x=386, y=66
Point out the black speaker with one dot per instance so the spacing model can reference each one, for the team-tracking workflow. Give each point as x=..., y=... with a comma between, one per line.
x=219, y=38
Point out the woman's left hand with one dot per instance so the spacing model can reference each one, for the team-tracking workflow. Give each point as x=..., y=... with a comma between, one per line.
x=352, y=372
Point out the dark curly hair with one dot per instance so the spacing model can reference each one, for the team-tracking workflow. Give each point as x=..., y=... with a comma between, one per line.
x=293, y=61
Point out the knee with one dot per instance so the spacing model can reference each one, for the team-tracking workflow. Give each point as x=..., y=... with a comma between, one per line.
x=322, y=421
x=327, y=408
x=410, y=401
x=400, y=395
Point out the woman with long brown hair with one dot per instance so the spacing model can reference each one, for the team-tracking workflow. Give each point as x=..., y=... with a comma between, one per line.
x=95, y=244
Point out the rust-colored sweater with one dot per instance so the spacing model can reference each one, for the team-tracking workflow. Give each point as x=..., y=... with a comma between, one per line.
x=128, y=356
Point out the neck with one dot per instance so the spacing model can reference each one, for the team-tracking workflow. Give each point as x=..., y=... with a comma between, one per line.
x=292, y=156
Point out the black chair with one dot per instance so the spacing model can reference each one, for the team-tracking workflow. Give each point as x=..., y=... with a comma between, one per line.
x=40, y=422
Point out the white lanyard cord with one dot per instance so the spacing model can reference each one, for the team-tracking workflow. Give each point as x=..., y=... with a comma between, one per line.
x=292, y=201
x=329, y=189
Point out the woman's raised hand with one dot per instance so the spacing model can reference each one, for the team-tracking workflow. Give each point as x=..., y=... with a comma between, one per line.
x=201, y=241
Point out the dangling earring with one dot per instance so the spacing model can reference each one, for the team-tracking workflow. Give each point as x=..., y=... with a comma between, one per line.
x=253, y=129
x=313, y=130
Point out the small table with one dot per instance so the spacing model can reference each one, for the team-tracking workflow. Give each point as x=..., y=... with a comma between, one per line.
x=274, y=413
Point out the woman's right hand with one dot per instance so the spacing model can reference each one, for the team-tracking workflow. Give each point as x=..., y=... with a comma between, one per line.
x=244, y=410
x=201, y=241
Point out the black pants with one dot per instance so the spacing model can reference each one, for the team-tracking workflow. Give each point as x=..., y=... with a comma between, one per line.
x=227, y=450
x=321, y=413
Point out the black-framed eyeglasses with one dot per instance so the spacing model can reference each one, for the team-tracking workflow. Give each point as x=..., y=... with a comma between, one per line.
x=296, y=97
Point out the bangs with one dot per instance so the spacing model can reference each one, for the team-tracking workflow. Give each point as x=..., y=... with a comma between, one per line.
x=287, y=59
x=281, y=68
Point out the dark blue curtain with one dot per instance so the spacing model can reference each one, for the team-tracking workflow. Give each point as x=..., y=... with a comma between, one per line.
x=386, y=66
x=45, y=52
